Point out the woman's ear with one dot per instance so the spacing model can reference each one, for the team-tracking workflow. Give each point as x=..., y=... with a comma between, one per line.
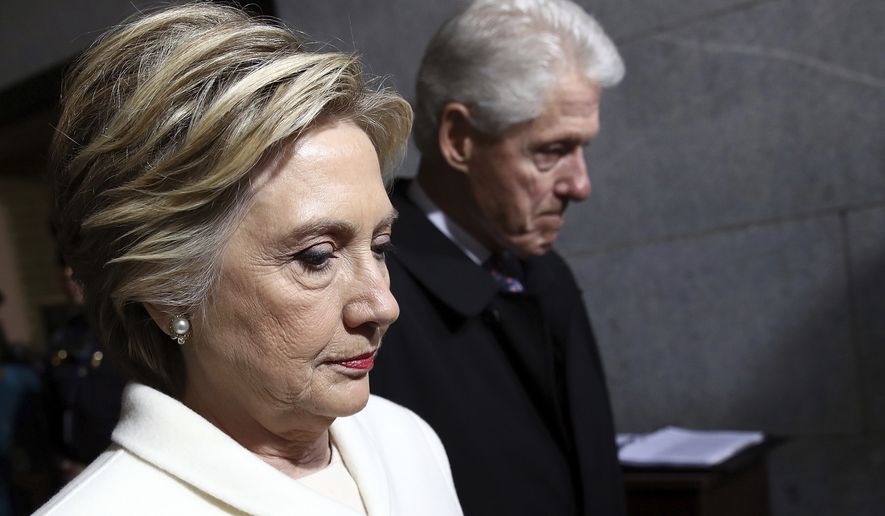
x=456, y=136
x=160, y=317
x=177, y=327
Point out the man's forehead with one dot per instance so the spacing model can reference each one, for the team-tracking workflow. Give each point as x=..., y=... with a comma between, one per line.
x=571, y=112
x=572, y=95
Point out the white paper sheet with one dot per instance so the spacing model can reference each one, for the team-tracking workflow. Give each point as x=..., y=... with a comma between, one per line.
x=681, y=447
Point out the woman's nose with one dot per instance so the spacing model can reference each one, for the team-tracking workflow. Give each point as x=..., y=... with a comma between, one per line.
x=372, y=303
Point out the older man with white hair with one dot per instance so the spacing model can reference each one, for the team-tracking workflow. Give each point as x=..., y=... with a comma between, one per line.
x=493, y=346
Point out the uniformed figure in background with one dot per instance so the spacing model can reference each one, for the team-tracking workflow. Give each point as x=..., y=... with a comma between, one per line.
x=19, y=385
x=83, y=390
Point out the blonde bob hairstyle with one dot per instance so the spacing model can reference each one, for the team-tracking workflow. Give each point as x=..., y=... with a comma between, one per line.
x=162, y=122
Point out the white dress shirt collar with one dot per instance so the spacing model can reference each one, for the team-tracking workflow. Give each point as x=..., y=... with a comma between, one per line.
x=458, y=235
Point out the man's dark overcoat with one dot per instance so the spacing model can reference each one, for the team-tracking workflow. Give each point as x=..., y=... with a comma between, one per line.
x=512, y=383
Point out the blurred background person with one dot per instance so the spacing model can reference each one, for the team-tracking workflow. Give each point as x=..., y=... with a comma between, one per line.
x=18, y=383
x=4, y=341
x=82, y=389
x=219, y=195
x=494, y=347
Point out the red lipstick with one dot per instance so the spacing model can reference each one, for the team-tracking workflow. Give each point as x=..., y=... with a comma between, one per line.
x=362, y=362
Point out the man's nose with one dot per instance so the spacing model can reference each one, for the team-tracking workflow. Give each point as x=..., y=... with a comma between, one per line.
x=573, y=182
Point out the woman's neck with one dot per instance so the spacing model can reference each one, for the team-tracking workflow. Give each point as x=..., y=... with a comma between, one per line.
x=296, y=451
x=297, y=460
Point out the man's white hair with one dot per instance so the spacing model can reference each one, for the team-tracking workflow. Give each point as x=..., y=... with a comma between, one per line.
x=501, y=57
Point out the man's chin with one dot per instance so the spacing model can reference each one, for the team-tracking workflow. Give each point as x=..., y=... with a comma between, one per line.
x=537, y=246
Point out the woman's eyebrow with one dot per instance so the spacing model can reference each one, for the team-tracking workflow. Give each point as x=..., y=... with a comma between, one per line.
x=339, y=228
x=324, y=226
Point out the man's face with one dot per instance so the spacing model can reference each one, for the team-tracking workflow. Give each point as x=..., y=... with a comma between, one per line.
x=522, y=181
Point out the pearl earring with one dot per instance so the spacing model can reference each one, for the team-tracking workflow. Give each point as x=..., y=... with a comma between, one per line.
x=180, y=329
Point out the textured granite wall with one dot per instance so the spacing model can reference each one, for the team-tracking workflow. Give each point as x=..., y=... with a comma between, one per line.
x=733, y=251
x=733, y=256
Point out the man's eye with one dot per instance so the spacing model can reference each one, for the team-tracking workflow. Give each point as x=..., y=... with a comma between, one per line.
x=316, y=257
x=547, y=158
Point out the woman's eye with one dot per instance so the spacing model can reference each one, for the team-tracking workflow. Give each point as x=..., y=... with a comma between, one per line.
x=316, y=257
x=382, y=246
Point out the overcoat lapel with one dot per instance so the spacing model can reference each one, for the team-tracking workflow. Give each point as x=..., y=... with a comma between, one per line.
x=437, y=263
x=469, y=290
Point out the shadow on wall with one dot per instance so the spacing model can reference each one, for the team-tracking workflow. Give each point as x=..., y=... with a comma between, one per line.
x=839, y=467
x=13, y=312
x=809, y=384
x=868, y=305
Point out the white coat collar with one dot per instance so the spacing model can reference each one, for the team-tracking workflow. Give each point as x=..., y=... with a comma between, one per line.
x=165, y=433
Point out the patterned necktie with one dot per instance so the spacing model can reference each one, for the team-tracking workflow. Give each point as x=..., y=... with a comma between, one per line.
x=505, y=269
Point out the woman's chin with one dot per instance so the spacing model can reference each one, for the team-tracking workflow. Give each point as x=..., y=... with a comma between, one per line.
x=347, y=400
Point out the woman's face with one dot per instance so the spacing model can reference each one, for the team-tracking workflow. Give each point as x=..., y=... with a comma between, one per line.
x=292, y=329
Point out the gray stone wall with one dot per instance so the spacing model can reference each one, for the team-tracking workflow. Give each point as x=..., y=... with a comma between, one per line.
x=733, y=256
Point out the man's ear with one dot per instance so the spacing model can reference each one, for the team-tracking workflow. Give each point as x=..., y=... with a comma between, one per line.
x=456, y=136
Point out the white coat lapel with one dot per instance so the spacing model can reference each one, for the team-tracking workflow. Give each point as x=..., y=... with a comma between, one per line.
x=174, y=439
x=360, y=455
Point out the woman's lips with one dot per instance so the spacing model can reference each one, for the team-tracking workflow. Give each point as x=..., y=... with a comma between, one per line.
x=362, y=362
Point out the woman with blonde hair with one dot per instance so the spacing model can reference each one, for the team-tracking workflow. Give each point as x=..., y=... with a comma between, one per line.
x=218, y=192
